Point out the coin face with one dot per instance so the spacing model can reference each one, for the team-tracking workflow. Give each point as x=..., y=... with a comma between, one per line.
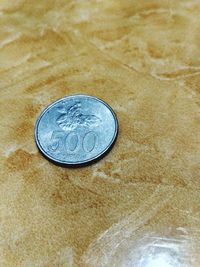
x=76, y=130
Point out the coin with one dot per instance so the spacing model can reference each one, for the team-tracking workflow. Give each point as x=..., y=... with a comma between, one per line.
x=76, y=130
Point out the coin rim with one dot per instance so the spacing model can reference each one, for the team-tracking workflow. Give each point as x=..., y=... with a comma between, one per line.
x=73, y=163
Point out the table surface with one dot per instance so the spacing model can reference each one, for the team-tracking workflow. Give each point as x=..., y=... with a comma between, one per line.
x=140, y=205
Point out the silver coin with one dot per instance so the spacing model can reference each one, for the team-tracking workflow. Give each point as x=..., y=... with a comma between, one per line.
x=76, y=130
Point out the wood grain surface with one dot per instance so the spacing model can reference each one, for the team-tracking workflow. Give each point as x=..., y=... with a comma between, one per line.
x=140, y=205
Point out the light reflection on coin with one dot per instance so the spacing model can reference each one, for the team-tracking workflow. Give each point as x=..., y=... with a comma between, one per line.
x=76, y=130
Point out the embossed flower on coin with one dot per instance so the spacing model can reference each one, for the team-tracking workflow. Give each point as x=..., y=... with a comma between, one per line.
x=76, y=130
x=72, y=117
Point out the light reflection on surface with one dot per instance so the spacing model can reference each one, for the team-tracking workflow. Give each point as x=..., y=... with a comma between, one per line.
x=168, y=247
x=172, y=248
x=160, y=260
x=162, y=253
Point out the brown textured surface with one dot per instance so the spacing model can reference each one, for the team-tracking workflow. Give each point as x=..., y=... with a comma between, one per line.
x=140, y=205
